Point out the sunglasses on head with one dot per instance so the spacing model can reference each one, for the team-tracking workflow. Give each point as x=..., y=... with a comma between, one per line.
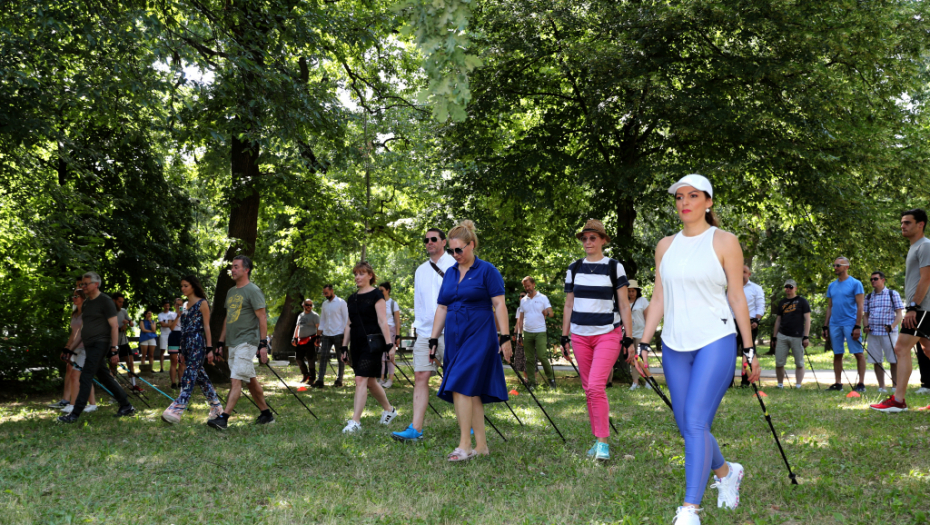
x=427, y=240
x=789, y=287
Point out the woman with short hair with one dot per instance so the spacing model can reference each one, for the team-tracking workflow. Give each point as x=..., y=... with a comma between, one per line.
x=471, y=301
x=148, y=338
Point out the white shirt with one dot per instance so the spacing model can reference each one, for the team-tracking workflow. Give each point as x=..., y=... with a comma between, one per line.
x=426, y=284
x=166, y=317
x=638, y=311
x=390, y=308
x=534, y=321
x=755, y=298
x=334, y=316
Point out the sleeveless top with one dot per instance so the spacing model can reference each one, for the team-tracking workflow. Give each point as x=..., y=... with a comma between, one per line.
x=694, y=288
x=146, y=336
x=192, y=335
x=76, y=322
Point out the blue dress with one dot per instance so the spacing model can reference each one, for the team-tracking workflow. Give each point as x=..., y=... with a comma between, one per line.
x=472, y=364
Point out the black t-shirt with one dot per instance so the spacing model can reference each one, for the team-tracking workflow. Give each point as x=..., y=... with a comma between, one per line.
x=792, y=316
x=362, y=313
x=95, y=314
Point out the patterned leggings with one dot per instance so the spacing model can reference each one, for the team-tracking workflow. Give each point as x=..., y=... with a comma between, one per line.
x=194, y=373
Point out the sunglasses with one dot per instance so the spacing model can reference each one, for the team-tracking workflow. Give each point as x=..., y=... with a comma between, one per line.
x=458, y=251
x=875, y=279
x=839, y=265
x=427, y=240
x=591, y=238
x=788, y=286
x=308, y=306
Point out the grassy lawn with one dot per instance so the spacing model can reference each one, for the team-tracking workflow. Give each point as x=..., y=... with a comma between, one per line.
x=854, y=465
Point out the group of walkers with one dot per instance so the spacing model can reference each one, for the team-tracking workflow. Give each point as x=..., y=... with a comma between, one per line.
x=709, y=309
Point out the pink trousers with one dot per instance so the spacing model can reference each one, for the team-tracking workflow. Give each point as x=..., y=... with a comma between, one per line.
x=596, y=355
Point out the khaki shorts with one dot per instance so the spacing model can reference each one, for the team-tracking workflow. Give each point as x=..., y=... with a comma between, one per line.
x=785, y=343
x=421, y=354
x=240, y=361
x=881, y=346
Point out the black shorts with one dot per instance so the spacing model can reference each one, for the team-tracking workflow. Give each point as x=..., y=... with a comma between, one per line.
x=174, y=342
x=124, y=351
x=922, y=329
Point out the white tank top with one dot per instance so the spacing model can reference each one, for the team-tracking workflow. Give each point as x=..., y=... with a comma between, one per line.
x=694, y=289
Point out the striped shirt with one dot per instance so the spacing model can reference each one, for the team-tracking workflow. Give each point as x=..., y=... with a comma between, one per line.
x=593, y=312
x=881, y=307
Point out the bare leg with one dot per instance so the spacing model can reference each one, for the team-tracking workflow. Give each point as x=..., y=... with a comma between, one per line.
x=860, y=367
x=894, y=374
x=69, y=371
x=902, y=350
x=464, y=412
x=780, y=374
x=838, y=367
x=173, y=371
x=880, y=375
x=377, y=391
x=235, y=390
x=258, y=394
x=420, y=398
x=361, y=396
x=477, y=422
x=799, y=375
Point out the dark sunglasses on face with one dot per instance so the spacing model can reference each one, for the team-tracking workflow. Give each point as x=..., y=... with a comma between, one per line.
x=788, y=286
x=458, y=251
x=838, y=265
x=591, y=238
x=875, y=279
x=427, y=240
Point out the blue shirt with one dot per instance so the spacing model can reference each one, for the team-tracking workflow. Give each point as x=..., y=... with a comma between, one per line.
x=843, y=294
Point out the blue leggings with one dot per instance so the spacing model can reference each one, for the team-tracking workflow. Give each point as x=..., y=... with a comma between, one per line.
x=697, y=381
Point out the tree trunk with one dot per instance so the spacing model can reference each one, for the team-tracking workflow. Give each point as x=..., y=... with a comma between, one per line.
x=626, y=214
x=284, y=329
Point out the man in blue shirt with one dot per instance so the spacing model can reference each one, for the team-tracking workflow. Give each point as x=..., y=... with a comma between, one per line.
x=845, y=299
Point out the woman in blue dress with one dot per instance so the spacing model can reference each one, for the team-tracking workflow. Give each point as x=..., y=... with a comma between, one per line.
x=472, y=294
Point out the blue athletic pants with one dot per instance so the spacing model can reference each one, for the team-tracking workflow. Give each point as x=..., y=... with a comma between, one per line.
x=697, y=382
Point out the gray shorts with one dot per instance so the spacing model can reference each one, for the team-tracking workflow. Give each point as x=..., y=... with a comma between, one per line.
x=786, y=342
x=421, y=354
x=240, y=361
x=881, y=345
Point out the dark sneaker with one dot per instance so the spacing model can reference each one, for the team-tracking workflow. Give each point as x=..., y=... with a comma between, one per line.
x=137, y=388
x=70, y=417
x=126, y=410
x=859, y=388
x=317, y=384
x=609, y=385
x=219, y=423
x=59, y=404
x=264, y=419
x=338, y=383
x=835, y=386
x=305, y=380
x=552, y=383
x=890, y=405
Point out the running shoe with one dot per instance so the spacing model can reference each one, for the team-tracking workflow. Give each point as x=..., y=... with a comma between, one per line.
x=90, y=408
x=552, y=383
x=317, y=384
x=603, y=452
x=922, y=390
x=352, y=427
x=780, y=385
x=882, y=390
x=388, y=415
x=835, y=386
x=338, y=383
x=409, y=434
x=387, y=384
x=68, y=418
x=890, y=405
x=125, y=410
x=67, y=409
x=859, y=388
x=728, y=487
x=265, y=418
x=137, y=388
x=64, y=402
x=648, y=386
x=593, y=450
x=635, y=386
x=687, y=516
x=797, y=385
x=220, y=423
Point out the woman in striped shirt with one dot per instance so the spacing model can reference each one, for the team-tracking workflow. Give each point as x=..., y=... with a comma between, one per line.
x=596, y=296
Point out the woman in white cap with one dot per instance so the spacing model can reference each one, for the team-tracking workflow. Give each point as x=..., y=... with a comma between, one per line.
x=638, y=305
x=595, y=296
x=699, y=278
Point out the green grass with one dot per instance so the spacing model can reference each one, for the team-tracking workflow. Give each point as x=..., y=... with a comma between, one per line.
x=855, y=466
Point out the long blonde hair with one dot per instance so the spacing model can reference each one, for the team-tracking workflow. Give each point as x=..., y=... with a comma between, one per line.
x=465, y=232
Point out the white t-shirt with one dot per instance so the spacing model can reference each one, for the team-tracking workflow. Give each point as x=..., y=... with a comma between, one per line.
x=391, y=307
x=164, y=317
x=638, y=311
x=426, y=284
x=534, y=321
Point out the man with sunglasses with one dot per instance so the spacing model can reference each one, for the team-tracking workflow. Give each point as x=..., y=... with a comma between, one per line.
x=426, y=284
x=306, y=335
x=883, y=313
x=843, y=322
x=100, y=335
x=792, y=326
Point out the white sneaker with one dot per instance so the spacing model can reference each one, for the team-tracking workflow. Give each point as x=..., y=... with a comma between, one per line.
x=883, y=390
x=352, y=427
x=388, y=415
x=635, y=386
x=780, y=385
x=797, y=385
x=90, y=408
x=380, y=381
x=67, y=409
x=387, y=384
x=728, y=487
x=649, y=386
x=687, y=516
x=922, y=390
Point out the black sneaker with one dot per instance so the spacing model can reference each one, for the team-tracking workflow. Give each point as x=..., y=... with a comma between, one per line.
x=305, y=380
x=338, y=383
x=317, y=384
x=264, y=419
x=174, y=386
x=219, y=423
x=70, y=417
x=609, y=385
x=125, y=410
x=859, y=388
x=835, y=386
x=59, y=404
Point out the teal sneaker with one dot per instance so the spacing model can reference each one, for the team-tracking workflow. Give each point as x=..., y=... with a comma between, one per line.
x=593, y=450
x=409, y=434
x=603, y=452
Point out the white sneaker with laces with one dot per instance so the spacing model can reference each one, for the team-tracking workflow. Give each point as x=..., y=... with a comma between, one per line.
x=635, y=386
x=388, y=415
x=728, y=487
x=387, y=384
x=90, y=408
x=883, y=390
x=67, y=409
x=649, y=386
x=797, y=385
x=687, y=516
x=922, y=390
x=352, y=427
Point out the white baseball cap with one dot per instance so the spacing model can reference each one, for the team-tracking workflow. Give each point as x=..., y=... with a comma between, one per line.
x=698, y=182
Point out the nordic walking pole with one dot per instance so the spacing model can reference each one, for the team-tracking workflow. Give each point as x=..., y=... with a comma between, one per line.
x=243, y=394
x=105, y=390
x=812, y=368
x=428, y=402
x=644, y=372
x=137, y=394
x=878, y=363
x=268, y=364
x=537, y=402
x=765, y=412
x=151, y=385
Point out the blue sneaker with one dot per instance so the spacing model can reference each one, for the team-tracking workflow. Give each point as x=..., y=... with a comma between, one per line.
x=603, y=452
x=593, y=450
x=409, y=434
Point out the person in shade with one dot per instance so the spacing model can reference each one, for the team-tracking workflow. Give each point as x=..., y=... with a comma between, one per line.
x=165, y=319
x=75, y=360
x=519, y=355
x=698, y=289
x=196, y=344
x=370, y=338
x=597, y=308
x=470, y=300
x=305, y=340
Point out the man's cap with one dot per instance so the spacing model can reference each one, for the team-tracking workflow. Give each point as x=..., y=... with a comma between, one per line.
x=596, y=226
x=694, y=180
x=633, y=285
x=791, y=282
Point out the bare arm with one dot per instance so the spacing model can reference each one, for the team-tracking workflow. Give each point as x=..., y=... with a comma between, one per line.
x=439, y=320
x=262, y=334
x=381, y=310
x=778, y=323
x=826, y=318
x=898, y=317
x=626, y=317
x=397, y=325
x=205, y=312
x=500, y=313
x=296, y=328
x=519, y=328
x=807, y=325
x=548, y=312
x=860, y=299
x=114, y=337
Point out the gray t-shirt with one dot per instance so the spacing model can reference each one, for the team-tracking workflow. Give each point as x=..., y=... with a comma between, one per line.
x=121, y=316
x=917, y=257
x=307, y=323
x=241, y=321
x=95, y=314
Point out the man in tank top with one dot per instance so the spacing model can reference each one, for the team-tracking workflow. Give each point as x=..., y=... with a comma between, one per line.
x=843, y=322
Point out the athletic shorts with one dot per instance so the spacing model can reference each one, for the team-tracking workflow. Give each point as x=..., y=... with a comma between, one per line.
x=77, y=360
x=174, y=342
x=124, y=351
x=786, y=343
x=163, y=339
x=922, y=329
x=881, y=346
x=421, y=354
x=149, y=342
x=241, y=366
x=838, y=334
